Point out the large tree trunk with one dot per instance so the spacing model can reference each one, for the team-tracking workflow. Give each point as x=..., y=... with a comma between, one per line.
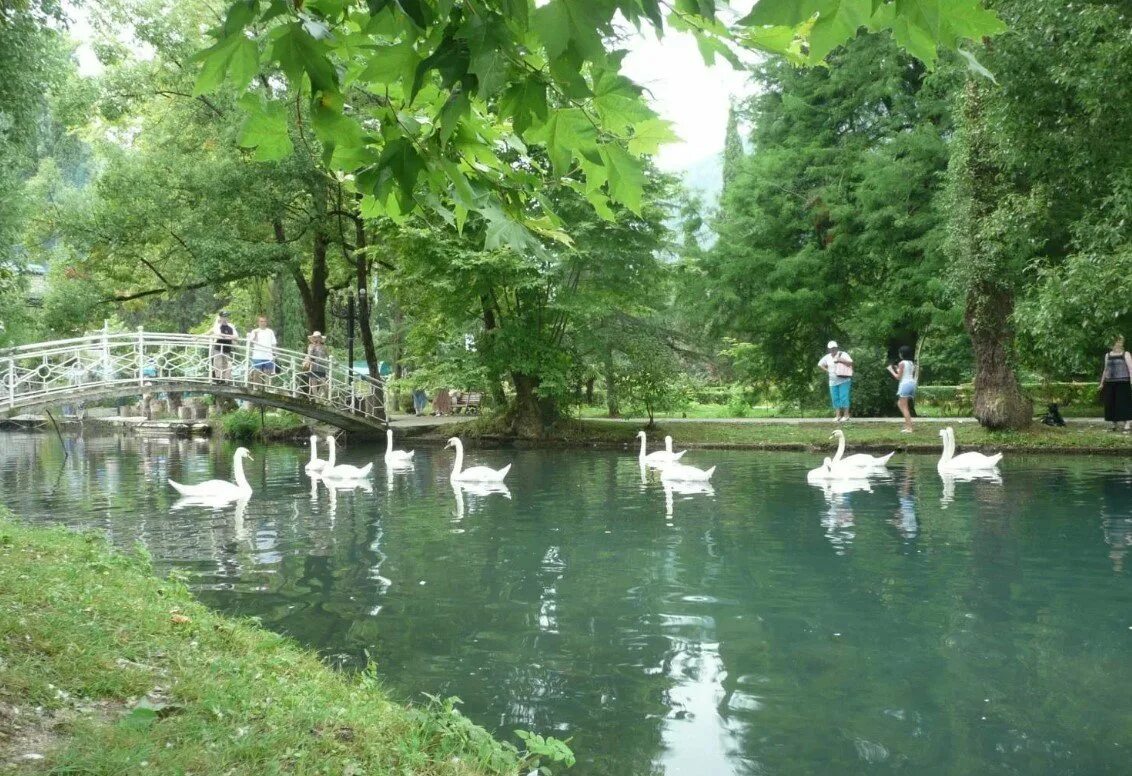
x=983, y=253
x=999, y=401
x=531, y=415
x=313, y=292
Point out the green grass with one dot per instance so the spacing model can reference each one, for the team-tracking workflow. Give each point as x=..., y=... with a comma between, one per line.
x=134, y=676
x=722, y=411
x=811, y=436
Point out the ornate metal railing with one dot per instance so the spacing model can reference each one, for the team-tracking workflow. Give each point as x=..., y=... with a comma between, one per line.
x=118, y=363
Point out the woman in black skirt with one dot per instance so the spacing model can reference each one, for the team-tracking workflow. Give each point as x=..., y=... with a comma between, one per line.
x=1116, y=386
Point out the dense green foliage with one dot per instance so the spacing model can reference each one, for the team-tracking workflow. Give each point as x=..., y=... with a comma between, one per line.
x=481, y=171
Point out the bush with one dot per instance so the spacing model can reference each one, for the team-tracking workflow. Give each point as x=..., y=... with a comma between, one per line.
x=738, y=403
x=244, y=425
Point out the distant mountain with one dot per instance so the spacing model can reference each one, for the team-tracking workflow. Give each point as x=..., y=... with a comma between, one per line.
x=706, y=177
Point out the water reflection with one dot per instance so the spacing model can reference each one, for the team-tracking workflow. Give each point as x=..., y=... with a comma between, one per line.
x=674, y=488
x=950, y=478
x=767, y=630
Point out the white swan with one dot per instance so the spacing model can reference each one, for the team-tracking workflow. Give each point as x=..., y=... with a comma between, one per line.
x=668, y=447
x=475, y=473
x=682, y=472
x=657, y=458
x=858, y=460
x=396, y=457
x=828, y=472
x=220, y=490
x=950, y=462
x=342, y=471
x=315, y=465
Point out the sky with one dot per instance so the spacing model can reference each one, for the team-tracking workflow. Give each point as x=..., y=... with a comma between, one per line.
x=685, y=91
x=681, y=88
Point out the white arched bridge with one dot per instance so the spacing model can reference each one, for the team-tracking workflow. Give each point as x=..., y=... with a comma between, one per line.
x=105, y=365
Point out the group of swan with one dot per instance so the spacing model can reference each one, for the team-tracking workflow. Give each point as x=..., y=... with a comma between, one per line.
x=668, y=461
x=859, y=466
x=329, y=470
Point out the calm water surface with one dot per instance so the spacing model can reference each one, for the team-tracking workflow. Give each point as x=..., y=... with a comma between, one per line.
x=765, y=627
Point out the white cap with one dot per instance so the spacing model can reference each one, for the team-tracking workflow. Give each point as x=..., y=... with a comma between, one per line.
x=831, y=345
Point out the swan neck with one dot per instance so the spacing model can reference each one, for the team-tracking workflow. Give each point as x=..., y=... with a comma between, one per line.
x=389, y=441
x=314, y=449
x=238, y=466
x=840, y=448
x=330, y=456
x=644, y=449
x=458, y=466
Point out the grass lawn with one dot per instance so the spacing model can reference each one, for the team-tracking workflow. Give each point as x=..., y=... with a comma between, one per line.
x=1077, y=437
x=105, y=669
x=715, y=411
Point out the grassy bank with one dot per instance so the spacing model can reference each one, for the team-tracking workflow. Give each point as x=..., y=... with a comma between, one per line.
x=105, y=669
x=1074, y=438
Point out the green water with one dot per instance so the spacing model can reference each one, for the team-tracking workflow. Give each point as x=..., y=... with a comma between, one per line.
x=766, y=627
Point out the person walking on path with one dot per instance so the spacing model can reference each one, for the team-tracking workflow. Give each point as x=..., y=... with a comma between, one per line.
x=261, y=340
x=907, y=376
x=839, y=366
x=1116, y=386
x=223, y=336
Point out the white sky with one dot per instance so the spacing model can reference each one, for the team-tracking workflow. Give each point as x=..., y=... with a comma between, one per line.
x=685, y=91
x=681, y=87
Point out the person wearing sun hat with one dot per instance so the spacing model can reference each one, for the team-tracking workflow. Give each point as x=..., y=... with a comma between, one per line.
x=839, y=366
x=316, y=367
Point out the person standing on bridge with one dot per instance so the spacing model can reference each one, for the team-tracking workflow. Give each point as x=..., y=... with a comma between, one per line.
x=224, y=335
x=261, y=340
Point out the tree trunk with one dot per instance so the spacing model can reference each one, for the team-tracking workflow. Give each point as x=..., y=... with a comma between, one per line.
x=983, y=249
x=530, y=415
x=590, y=389
x=999, y=401
x=611, y=385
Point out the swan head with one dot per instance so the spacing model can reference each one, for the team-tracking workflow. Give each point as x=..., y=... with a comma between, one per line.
x=330, y=440
x=827, y=463
x=452, y=442
x=640, y=435
x=314, y=439
x=837, y=434
x=243, y=452
x=668, y=440
x=943, y=432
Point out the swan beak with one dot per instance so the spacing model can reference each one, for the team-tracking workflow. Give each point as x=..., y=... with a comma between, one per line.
x=249, y=457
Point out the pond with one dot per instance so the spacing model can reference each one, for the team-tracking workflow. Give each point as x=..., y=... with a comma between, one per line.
x=768, y=626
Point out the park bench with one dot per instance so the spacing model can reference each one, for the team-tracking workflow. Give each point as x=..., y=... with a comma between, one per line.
x=469, y=403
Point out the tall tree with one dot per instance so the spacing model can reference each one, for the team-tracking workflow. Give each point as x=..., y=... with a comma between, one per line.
x=828, y=229
x=733, y=153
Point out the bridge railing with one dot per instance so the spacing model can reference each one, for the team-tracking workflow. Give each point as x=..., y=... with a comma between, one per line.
x=65, y=369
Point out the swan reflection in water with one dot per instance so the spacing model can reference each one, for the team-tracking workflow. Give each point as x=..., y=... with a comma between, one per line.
x=334, y=487
x=479, y=491
x=213, y=504
x=673, y=488
x=950, y=478
x=838, y=518
x=395, y=468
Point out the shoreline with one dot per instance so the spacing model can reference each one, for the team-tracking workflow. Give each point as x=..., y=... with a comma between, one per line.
x=110, y=669
x=809, y=436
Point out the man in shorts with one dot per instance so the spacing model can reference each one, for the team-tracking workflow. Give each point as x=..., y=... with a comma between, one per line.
x=261, y=341
x=839, y=366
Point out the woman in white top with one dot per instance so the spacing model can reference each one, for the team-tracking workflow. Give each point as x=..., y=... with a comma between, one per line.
x=907, y=376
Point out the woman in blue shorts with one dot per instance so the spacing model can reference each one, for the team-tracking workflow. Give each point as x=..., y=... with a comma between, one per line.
x=907, y=375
